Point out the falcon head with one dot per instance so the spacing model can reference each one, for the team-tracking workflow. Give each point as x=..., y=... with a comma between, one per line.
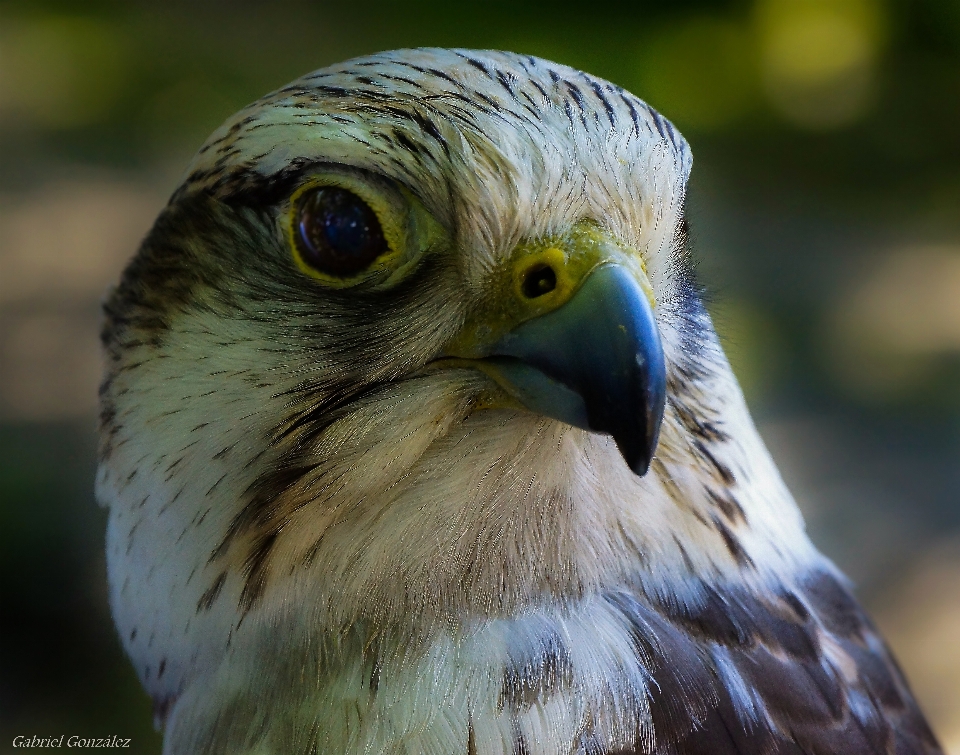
x=412, y=352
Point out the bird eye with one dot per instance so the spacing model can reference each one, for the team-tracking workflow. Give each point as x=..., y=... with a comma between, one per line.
x=337, y=233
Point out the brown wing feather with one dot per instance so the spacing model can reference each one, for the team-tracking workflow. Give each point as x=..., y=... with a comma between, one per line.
x=793, y=673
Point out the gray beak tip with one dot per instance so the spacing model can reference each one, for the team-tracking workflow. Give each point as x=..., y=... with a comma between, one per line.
x=600, y=361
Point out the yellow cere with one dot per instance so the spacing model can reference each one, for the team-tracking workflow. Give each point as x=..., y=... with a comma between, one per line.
x=571, y=257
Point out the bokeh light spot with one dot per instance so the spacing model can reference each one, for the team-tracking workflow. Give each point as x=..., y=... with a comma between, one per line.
x=889, y=331
x=819, y=58
x=61, y=72
x=701, y=72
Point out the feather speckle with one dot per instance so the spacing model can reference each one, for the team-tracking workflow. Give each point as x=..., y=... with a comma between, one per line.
x=332, y=541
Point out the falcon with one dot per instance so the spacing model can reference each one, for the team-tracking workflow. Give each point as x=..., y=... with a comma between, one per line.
x=416, y=438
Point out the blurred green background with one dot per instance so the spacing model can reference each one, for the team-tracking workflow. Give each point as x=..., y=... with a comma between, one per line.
x=824, y=209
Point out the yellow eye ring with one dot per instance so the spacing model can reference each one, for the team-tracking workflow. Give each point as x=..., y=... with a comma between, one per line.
x=337, y=232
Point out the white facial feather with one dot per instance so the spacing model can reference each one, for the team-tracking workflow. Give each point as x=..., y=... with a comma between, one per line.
x=447, y=534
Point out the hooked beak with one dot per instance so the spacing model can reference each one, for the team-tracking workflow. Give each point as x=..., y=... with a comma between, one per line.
x=595, y=362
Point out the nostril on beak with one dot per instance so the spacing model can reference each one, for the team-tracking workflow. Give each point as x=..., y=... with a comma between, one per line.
x=539, y=280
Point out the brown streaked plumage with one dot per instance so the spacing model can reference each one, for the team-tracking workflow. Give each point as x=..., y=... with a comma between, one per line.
x=359, y=511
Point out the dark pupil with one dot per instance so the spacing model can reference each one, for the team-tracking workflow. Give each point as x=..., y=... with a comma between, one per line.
x=339, y=233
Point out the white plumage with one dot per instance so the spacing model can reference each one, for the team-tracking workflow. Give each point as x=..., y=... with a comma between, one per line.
x=329, y=532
